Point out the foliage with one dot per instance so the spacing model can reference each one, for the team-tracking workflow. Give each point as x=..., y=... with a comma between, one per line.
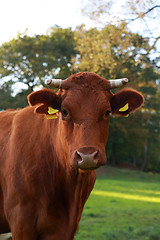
x=112, y=51
x=30, y=60
x=5, y=95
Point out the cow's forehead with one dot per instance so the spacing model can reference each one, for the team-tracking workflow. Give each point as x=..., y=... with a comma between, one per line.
x=88, y=80
x=86, y=98
x=86, y=93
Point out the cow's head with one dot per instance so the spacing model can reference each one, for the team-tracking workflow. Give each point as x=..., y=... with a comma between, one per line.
x=85, y=103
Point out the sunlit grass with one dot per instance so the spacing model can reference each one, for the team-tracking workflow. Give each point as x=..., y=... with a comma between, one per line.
x=125, y=196
x=133, y=190
x=124, y=205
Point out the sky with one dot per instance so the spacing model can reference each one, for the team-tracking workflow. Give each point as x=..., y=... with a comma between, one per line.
x=37, y=16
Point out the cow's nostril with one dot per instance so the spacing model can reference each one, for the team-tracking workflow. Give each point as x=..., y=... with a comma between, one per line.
x=95, y=155
x=77, y=156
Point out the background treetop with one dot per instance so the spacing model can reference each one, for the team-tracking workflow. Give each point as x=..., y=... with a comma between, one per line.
x=29, y=60
x=141, y=16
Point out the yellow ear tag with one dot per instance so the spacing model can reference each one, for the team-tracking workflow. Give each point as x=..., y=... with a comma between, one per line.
x=52, y=113
x=124, y=108
x=51, y=116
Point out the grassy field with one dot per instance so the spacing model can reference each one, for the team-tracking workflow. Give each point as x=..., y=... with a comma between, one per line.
x=124, y=205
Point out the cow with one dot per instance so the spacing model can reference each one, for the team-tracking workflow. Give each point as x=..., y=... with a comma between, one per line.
x=50, y=150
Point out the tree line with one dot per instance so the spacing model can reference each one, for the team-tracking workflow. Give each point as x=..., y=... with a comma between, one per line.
x=112, y=51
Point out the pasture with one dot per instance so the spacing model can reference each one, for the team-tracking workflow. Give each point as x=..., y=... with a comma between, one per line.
x=124, y=205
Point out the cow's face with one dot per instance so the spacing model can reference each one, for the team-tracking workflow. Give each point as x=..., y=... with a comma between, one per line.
x=83, y=117
x=84, y=123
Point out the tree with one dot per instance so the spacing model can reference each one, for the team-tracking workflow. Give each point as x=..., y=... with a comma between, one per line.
x=145, y=13
x=30, y=60
x=142, y=13
x=112, y=51
x=5, y=95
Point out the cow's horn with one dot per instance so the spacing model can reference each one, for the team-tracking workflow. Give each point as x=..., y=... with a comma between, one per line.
x=57, y=83
x=115, y=83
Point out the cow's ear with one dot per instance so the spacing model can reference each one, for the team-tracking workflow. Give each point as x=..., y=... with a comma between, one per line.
x=126, y=101
x=44, y=99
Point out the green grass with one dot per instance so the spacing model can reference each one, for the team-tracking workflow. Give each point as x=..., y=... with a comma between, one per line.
x=124, y=205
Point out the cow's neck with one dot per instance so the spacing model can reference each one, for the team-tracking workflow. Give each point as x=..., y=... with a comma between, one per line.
x=75, y=191
x=71, y=188
x=71, y=191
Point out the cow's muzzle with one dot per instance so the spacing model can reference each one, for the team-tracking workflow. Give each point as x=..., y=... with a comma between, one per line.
x=88, y=158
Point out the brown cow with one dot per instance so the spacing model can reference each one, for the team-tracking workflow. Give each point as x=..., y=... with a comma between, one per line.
x=47, y=164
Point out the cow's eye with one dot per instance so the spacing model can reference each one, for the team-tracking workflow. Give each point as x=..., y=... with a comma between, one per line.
x=106, y=115
x=65, y=115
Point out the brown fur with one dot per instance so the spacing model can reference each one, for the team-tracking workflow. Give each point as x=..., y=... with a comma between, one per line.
x=41, y=194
